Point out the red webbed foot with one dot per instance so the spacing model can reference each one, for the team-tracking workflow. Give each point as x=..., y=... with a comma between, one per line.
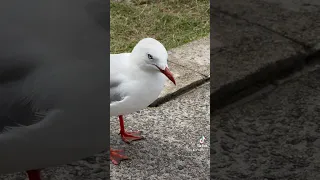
x=116, y=156
x=130, y=136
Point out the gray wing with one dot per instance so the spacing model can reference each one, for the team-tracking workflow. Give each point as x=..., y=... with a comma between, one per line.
x=115, y=95
x=19, y=114
x=15, y=110
x=24, y=37
x=14, y=69
x=117, y=66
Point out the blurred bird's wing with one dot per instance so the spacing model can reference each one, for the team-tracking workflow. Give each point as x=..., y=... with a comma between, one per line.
x=118, y=64
x=15, y=110
x=14, y=69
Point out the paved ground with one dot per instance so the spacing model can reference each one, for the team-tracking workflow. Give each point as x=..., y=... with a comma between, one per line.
x=272, y=136
x=294, y=19
x=190, y=65
x=170, y=151
x=275, y=133
x=256, y=40
x=172, y=133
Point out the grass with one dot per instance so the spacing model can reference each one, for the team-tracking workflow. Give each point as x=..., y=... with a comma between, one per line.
x=172, y=22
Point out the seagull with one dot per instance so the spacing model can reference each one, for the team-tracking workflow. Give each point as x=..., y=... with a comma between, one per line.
x=51, y=113
x=53, y=83
x=136, y=80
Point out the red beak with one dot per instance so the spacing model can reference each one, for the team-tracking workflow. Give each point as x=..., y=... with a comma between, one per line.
x=169, y=75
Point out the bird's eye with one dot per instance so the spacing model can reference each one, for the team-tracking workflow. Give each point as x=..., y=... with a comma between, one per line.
x=150, y=57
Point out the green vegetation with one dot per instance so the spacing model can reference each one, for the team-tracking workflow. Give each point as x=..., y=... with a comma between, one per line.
x=172, y=22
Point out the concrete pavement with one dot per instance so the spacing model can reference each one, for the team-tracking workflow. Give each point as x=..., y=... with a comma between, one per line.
x=256, y=42
x=172, y=133
x=265, y=89
x=296, y=20
x=273, y=134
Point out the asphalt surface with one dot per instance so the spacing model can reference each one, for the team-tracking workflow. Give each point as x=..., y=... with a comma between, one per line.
x=169, y=151
x=272, y=135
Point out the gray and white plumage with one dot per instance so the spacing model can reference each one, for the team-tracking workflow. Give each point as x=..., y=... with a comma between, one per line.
x=53, y=83
x=137, y=78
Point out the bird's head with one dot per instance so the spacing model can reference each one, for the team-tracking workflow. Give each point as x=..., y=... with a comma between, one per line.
x=150, y=54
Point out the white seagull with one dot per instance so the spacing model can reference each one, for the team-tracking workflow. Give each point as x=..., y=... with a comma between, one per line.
x=136, y=80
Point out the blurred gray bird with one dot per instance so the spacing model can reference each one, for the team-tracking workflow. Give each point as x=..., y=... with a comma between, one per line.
x=53, y=83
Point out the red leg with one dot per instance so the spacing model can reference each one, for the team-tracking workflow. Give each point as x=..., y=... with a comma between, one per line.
x=116, y=156
x=128, y=136
x=34, y=175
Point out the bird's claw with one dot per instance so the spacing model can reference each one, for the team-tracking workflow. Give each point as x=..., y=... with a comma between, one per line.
x=117, y=155
x=131, y=136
